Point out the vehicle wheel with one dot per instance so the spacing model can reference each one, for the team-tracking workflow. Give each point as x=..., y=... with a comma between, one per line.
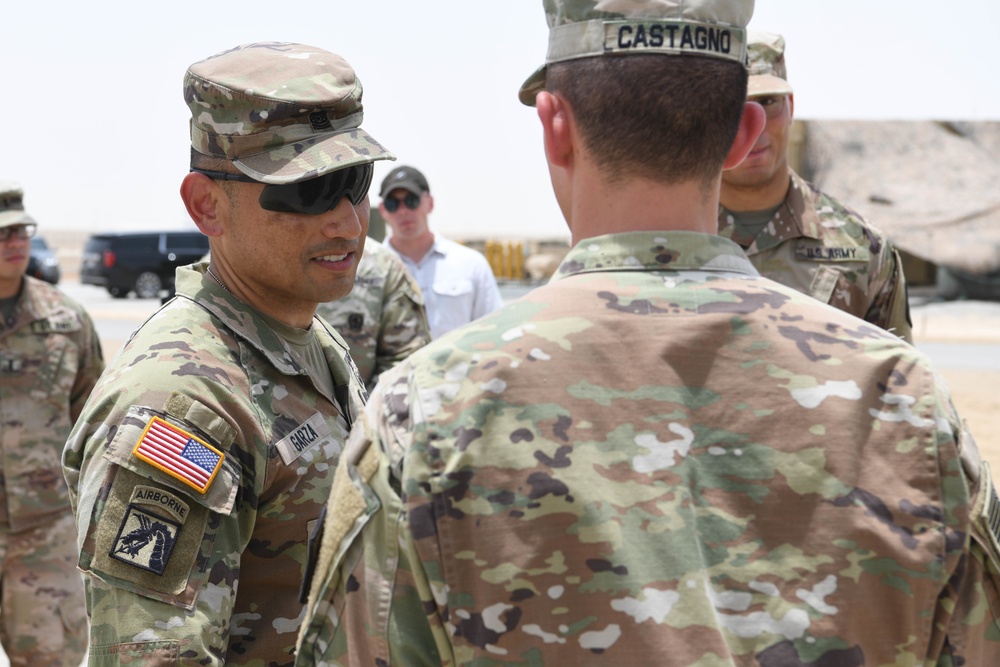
x=148, y=285
x=118, y=292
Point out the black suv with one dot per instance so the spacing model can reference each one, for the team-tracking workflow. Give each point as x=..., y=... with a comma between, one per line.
x=142, y=262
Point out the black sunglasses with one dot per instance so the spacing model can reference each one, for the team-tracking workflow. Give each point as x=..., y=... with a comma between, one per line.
x=311, y=197
x=411, y=200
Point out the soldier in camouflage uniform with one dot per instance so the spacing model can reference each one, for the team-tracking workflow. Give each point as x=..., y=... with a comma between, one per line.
x=50, y=359
x=660, y=457
x=383, y=318
x=795, y=234
x=201, y=462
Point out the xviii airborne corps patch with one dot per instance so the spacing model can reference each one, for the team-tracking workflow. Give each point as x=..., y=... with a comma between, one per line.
x=145, y=540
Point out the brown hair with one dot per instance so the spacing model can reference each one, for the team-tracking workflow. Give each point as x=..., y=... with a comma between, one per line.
x=666, y=118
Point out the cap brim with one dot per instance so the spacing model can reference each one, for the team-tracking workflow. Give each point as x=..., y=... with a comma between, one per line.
x=8, y=218
x=532, y=86
x=409, y=187
x=313, y=157
x=768, y=84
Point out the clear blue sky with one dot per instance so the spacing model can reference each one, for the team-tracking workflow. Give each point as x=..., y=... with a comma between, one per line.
x=95, y=128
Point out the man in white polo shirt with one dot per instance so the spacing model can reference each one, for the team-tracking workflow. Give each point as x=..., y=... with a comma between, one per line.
x=457, y=283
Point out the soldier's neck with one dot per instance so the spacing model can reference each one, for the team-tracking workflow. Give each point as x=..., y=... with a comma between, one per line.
x=757, y=197
x=10, y=287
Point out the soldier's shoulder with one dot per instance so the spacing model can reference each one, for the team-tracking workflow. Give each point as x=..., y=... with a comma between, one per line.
x=178, y=333
x=836, y=215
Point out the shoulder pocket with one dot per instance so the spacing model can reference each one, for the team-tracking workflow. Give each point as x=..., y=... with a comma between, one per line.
x=152, y=531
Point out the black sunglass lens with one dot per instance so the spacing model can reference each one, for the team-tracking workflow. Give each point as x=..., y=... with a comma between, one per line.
x=362, y=182
x=412, y=201
x=318, y=195
x=391, y=204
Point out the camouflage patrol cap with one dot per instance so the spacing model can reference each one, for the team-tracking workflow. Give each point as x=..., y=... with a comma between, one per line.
x=12, y=205
x=280, y=112
x=586, y=28
x=767, y=65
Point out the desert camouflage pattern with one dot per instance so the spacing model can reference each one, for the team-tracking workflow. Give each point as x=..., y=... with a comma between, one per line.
x=12, y=205
x=383, y=318
x=50, y=360
x=766, y=65
x=824, y=249
x=281, y=112
x=659, y=458
x=163, y=560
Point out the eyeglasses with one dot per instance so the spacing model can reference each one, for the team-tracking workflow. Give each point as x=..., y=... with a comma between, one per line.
x=311, y=197
x=17, y=231
x=773, y=104
x=411, y=201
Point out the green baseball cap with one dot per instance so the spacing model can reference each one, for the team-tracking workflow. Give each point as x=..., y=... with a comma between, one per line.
x=767, y=65
x=281, y=112
x=12, y=206
x=587, y=28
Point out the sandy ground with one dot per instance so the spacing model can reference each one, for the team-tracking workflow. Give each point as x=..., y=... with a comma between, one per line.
x=975, y=387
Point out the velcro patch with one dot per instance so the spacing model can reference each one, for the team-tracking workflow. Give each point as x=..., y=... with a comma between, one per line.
x=145, y=540
x=818, y=253
x=304, y=437
x=179, y=454
x=988, y=514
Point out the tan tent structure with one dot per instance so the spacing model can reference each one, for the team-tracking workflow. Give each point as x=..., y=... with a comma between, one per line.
x=932, y=187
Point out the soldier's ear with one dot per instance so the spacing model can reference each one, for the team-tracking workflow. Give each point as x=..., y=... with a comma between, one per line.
x=556, y=119
x=751, y=125
x=203, y=199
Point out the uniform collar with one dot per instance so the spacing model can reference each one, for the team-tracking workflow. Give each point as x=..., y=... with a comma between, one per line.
x=29, y=307
x=246, y=322
x=243, y=319
x=795, y=218
x=655, y=251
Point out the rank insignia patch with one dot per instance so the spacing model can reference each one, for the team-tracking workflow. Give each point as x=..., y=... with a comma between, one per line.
x=145, y=540
x=179, y=454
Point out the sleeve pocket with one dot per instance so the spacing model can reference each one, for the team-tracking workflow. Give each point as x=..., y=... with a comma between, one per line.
x=153, y=534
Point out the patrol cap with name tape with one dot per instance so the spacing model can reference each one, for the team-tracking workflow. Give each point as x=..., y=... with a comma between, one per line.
x=404, y=178
x=281, y=112
x=12, y=205
x=766, y=52
x=587, y=28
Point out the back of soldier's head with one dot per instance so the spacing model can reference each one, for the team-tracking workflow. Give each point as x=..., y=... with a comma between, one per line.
x=656, y=88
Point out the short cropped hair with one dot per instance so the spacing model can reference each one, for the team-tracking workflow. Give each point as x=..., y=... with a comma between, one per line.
x=212, y=163
x=665, y=118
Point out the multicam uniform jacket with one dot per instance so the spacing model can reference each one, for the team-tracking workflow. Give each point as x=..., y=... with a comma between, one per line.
x=383, y=318
x=50, y=359
x=659, y=458
x=197, y=469
x=822, y=248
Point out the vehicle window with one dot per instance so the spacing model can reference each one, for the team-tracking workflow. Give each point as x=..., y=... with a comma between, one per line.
x=191, y=243
x=146, y=244
x=38, y=243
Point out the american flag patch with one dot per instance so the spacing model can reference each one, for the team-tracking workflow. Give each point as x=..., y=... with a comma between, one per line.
x=179, y=454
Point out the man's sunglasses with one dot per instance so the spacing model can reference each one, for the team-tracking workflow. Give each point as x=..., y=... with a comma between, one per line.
x=411, y=200
x=311, y=197
x=25, y=231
